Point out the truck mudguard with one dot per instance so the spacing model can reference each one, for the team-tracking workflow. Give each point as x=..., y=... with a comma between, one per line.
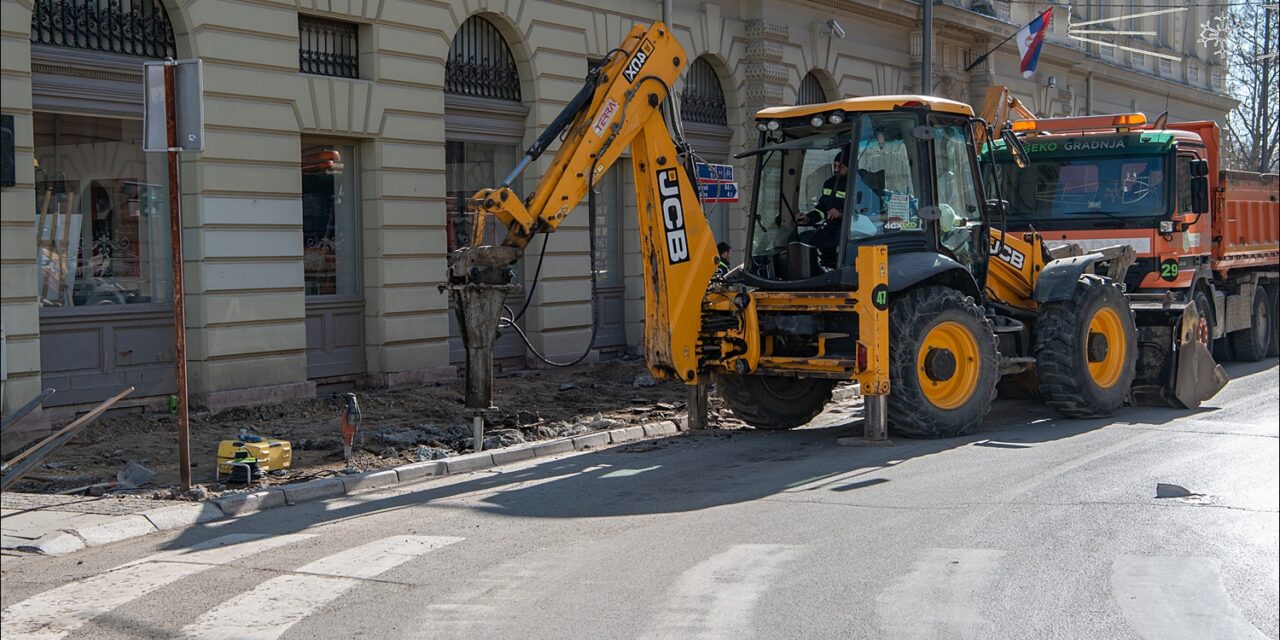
x=911, y=268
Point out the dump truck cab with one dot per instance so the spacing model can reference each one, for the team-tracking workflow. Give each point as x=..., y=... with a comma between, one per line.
x=908, y=182
x=1099, y=181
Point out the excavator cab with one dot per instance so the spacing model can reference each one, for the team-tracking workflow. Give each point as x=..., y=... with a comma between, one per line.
x=896, y=171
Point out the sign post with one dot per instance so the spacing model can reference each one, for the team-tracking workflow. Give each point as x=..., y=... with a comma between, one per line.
x=173, y=121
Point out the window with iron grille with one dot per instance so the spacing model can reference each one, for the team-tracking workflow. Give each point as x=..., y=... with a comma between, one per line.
x=480, y=63
x=129, y=27
x=328, y=47
x=702, y=100
x=811, y=90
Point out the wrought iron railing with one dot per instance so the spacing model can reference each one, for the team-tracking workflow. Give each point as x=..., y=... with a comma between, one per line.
x=702, y=100
x=328, y=47
x=131, y=27
x=480, y=63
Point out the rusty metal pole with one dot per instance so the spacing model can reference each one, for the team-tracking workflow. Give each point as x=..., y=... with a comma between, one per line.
x=179, y=308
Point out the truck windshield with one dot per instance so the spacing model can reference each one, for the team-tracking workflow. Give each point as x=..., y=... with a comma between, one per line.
x=1060, y=187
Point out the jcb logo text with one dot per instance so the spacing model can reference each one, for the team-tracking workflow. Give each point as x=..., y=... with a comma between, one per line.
x=673, y=216
x=636, y=63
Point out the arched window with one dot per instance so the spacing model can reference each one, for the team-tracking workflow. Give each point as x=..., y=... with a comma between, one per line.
x=702, y=100
x=811, y=91
x=706, y=128
x=129, y=27
x=480, y=63
x=484, y=122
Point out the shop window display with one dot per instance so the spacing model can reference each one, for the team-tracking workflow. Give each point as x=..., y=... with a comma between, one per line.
x=101, y=213
x=330, y=253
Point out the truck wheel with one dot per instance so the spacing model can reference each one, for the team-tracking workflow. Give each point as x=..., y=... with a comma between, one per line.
x=774, y=402
x=1251, y=344
x=942, y=363
x=1086, y=350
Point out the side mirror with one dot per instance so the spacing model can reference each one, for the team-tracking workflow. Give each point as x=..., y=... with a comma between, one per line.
x=1199, y=168
x=1016, y=150
x=1199, y=189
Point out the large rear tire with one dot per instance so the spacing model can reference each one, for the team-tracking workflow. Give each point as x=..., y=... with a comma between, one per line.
x=943, y=367
x=774, y=402
x=1252, y=344
x=1086, y=350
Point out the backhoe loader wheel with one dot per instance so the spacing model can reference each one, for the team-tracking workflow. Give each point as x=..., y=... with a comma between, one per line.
x=1086, y=350
x=943, y=368
x=774, y=402
x=1251, y=344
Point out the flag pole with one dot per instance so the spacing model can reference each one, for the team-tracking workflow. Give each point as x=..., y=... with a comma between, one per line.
x=1001, y=44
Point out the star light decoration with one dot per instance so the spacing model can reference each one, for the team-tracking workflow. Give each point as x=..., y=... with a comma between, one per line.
x=1218, y=34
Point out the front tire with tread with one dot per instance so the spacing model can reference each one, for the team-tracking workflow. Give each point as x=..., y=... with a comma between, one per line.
x=912, y=315
x=1060, y=346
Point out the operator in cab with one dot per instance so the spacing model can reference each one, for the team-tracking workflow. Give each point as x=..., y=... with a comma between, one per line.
x=825, y=215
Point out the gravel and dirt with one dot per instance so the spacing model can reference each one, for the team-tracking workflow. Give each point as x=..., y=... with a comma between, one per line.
x=400, y=425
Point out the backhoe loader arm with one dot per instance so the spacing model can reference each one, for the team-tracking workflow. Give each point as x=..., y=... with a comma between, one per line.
x=619, y=107
x=598, y=124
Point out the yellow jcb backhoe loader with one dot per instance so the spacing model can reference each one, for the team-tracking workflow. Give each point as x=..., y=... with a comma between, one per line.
x=882, y=285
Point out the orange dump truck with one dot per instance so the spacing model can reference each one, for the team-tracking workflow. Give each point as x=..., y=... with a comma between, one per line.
x=1204, y=237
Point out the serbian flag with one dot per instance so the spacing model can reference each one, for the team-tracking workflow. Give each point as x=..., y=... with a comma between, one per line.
x=1030, y=39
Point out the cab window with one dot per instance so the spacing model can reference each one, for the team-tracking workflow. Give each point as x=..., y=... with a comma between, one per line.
x=1185, y=205
x=886, y=185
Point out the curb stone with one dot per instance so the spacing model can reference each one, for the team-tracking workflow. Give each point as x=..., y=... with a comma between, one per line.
x=241, y=504
x=313, y=490
x=182, y=515
x=469, y=462
x=54, y=544
x=114, y=530
x=168, y=517
x=420, y=470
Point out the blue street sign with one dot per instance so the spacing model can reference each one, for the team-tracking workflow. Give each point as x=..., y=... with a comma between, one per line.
x=715, y=172
x=718, y=191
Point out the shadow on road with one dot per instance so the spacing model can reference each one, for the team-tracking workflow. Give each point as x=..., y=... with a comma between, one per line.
x=690, y=472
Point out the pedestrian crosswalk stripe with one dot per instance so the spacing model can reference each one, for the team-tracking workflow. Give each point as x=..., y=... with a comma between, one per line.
x=939, y=598
x=54, y=614
x=1171, y=598
x=268, y=610
x=715, y=598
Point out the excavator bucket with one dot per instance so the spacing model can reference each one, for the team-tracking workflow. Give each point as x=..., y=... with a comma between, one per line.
x=1175, y=369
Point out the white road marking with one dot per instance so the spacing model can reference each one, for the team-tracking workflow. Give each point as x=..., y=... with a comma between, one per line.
x=939, y=597
x=1167, y=598
x=57, y=612
x=268, y=610
x=715, y=598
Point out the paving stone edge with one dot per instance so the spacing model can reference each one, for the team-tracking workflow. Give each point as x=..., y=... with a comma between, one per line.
x=64, y=541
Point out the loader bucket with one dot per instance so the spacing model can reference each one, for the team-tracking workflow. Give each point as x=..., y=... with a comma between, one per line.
x=1174, y=368
x=1199, y=377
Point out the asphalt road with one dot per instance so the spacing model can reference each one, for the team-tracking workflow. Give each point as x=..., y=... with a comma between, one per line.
x=1034, y=527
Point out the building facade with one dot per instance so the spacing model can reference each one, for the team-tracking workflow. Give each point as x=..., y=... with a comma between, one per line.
x=341, y=138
